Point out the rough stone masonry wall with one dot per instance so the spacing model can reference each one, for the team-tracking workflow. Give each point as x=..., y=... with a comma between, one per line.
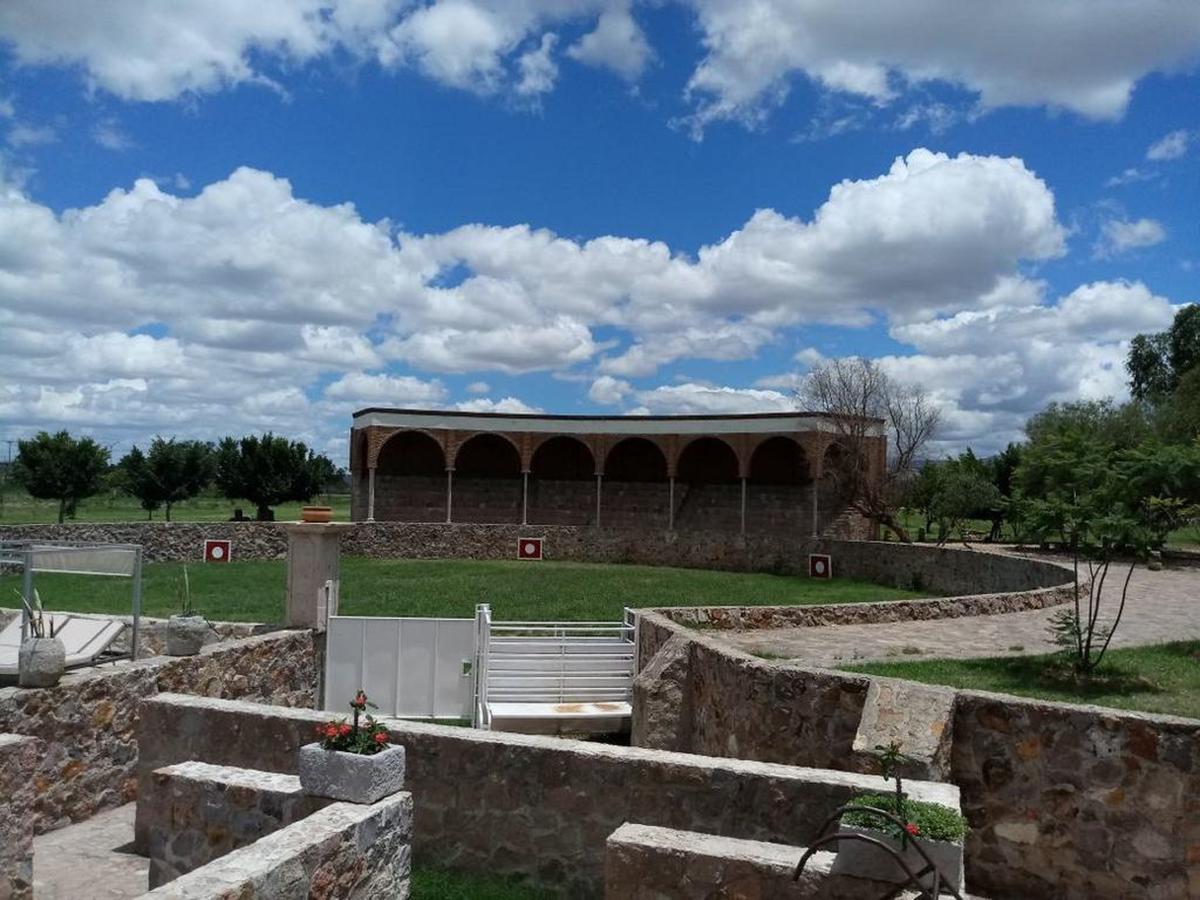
x=18, y=756
x=521, y=804
x=343, y=850
x=86, y=725
x=1064, y=801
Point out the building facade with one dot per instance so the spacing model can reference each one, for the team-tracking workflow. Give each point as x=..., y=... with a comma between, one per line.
x=730, y=473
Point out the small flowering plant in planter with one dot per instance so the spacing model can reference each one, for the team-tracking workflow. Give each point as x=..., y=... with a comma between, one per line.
x=938, y=829
x=352, y=761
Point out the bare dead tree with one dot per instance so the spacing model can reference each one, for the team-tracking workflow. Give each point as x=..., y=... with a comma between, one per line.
x=857, y=394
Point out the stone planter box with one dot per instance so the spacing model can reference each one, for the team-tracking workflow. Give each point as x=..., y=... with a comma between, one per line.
x=352, y=777
x=186, y=635
x=868, y=861
x=41, y=662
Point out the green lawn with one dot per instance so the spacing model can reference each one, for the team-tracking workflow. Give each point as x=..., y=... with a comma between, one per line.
x=1164, y=678
x=18, y=508
x=253, y=591
x=436, y=884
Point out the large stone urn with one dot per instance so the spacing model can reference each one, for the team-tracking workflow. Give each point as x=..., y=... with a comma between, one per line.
x=41, y=662
x=186, y=635
x=353, y=777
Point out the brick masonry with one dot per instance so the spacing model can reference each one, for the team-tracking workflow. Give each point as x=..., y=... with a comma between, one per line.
x=18, y=759
x=86, y=725
x=1064, y=801
x=525, y=805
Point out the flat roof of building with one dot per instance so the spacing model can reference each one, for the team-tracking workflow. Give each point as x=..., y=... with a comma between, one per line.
x=728, y=423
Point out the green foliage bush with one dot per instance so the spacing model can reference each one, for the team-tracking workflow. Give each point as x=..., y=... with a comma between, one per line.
x=936, y=822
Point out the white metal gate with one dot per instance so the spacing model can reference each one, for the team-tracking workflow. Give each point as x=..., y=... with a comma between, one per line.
x=410, y=667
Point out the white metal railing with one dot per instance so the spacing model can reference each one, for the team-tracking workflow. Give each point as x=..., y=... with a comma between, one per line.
x=552, y=662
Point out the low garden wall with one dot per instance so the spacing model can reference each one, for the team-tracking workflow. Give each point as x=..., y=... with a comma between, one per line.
x=343, y=850
x=18, y=758
x=648, y=862
x=86, y=725
x=1063, y=800
x=533, y=806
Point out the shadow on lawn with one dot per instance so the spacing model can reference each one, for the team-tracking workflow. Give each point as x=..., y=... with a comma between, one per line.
x=1017, y=674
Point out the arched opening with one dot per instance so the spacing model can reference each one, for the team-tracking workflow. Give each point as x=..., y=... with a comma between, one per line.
x=562, y=483
x=487, y=480
x=410, y=479
x=708, y=492
x=635, y=492
x=779, y=488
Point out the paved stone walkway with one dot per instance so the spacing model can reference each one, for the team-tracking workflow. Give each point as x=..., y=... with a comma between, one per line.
x=1163, y=606
x=91, y=860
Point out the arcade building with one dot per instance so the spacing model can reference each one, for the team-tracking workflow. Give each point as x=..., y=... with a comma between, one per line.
x=727, y=473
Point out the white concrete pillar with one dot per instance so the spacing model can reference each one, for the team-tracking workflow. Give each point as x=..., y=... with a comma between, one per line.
x=743, y=506
x=599, y=478
x=524, y=498
x=371, y=494
x=313, y=572
x=449, y=494
x=816, y=489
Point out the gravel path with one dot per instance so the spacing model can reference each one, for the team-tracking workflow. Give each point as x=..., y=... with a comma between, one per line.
x=1163, y=606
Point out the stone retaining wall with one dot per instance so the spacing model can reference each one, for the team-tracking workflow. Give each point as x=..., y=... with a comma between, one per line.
x=18, y=759
x=200, y=812
x=1064, y=800
x=524, y=805
x=343, y=850
x=86, y=724
x=648, y=863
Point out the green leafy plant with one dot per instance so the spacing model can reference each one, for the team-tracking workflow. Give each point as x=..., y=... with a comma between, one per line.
x=183, y=593
x=933, y=821
x=364, y=735
x=37, y=619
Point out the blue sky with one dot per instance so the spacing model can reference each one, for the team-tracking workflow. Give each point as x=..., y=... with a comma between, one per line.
x=222, y=218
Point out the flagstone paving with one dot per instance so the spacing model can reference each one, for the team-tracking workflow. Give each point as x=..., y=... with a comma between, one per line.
x=92, y=859
x=1162, y=606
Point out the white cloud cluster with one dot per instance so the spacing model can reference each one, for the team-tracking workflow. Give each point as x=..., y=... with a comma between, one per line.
x=1080, y=55
x=1170, y=146
x=1121, y=235
x=246, y=307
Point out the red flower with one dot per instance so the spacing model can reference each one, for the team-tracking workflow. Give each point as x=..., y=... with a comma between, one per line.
x=381, y=737
x=359, y=701
x=912, y=829
x=343, y=729
x=331, y=730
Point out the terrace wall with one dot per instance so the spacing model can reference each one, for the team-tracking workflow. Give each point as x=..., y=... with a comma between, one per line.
x=518, y=804
x=86, y=725
x=18, y=757
x=1064, y=801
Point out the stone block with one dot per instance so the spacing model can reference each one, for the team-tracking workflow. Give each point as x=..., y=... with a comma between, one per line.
x=18, y=757
x=918, y=717
x=662, y=698
x=352, y=777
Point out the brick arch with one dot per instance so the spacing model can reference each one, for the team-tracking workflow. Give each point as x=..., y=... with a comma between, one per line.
x=478, y=462
x=708, y=458
x=413, y=448
x=630, y=452
x=779, y=459
x=378, y=436
x=559, y=457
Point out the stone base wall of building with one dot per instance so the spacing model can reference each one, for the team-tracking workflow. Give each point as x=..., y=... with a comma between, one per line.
x=343, y=850
x=537, y=807
x=86, y=724
x=644, y=862
x=18, y=761
x=1069, y=801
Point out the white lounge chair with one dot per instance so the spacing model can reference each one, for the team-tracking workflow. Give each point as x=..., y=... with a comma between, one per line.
x=84, y=639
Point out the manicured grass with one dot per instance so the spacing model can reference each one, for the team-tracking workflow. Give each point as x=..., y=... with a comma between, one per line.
x=18, y=508
x=1164, y=678
x=436, y=884
x=253, y=591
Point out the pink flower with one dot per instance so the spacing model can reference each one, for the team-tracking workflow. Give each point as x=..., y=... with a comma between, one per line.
x=912, y=829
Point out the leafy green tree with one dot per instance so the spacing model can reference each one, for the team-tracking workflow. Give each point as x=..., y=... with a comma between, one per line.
x=270, y=470
x=172, y=471
x=60, y=467
x=964, y=492
x=1157, y=362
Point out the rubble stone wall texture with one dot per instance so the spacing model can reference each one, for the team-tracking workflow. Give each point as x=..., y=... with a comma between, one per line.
x=343, y=850
x=87, y=723
x=1064, y=801
x=199, y=812
x=648, y=863
x=18, y=757
x=540, y=807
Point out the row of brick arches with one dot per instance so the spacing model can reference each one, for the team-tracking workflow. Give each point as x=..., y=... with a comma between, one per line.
x=631, y=485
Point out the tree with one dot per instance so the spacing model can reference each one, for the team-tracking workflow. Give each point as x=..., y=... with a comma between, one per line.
x=963, y=493
x=856, y=393
x=60, y=467
x=170, y=472
x=1157, y=362
x=270, y=470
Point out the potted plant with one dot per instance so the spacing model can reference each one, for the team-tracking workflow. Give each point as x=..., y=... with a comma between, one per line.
x=42, y=658
x=352, y=761
x=939, y=829
x=186, y=631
